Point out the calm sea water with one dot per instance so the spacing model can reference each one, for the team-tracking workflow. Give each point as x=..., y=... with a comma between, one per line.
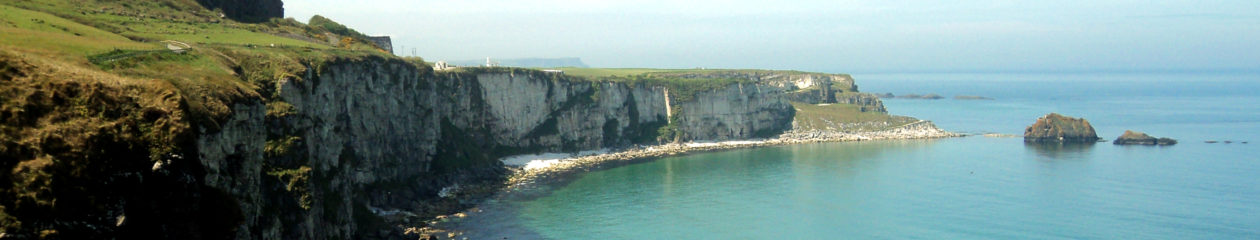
x=959, y=188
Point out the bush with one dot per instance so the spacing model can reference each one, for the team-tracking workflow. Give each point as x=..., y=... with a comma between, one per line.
x=321, y=22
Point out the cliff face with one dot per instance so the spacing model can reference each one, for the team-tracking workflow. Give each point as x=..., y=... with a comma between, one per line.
x=316, y=170
x=740, y=112
x=866, y=102
x=548, y=112
x=356, y=144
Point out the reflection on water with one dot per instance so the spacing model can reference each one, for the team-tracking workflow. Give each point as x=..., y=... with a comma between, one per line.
x=961, y=188
x=1060, y=151
x=794, y=177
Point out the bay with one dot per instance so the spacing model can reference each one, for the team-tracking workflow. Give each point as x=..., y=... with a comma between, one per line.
x=958, y=188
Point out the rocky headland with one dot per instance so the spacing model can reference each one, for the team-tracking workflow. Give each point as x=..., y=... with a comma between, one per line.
x=308, y=132
x=1055, y=128
x=1131, y=137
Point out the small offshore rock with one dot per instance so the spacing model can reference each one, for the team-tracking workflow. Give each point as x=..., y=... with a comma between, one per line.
x=1131, y=137
x=969, y=97
x=930, y=96
x=1056, y=128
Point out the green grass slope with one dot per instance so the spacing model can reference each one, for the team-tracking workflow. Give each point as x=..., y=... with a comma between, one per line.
x=845, y=118
x=91, y=99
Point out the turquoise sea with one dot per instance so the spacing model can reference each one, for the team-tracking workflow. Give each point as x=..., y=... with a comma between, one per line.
x=959, y=188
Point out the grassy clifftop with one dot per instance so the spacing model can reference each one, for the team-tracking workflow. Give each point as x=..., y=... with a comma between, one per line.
x=613, y=72
x=93, y=101
x=221, y=60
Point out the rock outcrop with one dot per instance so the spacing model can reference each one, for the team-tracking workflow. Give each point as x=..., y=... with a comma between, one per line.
x=250, y=11
x=930, y=96
x=740, y=112
x=1139, y=138
x=1058, y=128
x=866, y=102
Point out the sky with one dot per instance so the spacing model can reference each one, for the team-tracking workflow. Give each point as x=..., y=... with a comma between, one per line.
x=826, y=36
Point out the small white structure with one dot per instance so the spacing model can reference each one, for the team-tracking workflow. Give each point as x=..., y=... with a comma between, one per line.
x=490, y=63
x=176, y=46
x=441, y=65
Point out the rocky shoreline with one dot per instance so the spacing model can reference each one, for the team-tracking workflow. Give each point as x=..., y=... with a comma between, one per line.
x=526, y=177
x=523, y=176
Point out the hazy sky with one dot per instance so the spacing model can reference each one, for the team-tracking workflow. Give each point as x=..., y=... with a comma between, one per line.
x=831, y=36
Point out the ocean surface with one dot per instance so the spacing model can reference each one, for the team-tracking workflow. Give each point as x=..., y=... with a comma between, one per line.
x=959, y=188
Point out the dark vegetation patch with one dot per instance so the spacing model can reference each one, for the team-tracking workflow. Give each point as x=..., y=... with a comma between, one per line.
x=75, y=144
x=244, y=10
x=91, y=102
x=680, y=89
x=669, y=132
x=459, y=149
x=133, y=58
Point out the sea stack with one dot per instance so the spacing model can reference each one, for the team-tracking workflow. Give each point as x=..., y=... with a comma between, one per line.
x=1055, y=128
x=1139, y=138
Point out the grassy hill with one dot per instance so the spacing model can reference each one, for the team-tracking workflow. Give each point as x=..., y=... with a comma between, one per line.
x=89, y=90
x=128, y=38
x=844, y=117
